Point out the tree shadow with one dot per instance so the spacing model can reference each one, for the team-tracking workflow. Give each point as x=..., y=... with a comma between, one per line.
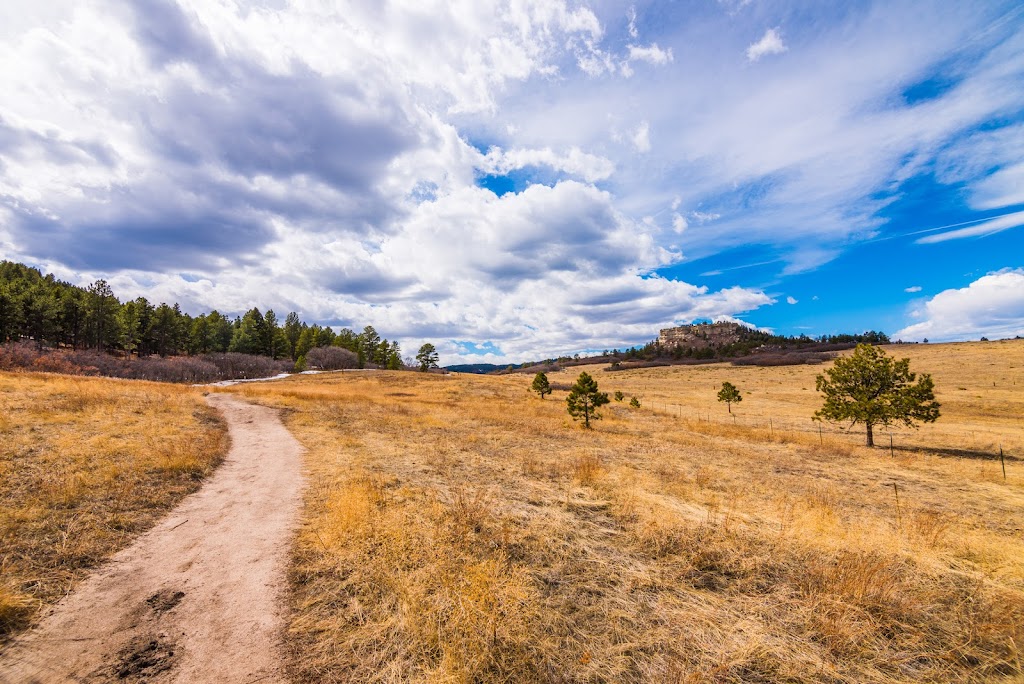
x=951, y=452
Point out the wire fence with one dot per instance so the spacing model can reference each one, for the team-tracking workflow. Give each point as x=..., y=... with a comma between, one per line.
x=976, y=442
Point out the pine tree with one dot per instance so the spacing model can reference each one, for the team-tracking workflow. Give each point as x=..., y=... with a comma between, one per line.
x=541, y=385
x=729, y=394
x=875, y=389
x=584, y=399
x=427, y=357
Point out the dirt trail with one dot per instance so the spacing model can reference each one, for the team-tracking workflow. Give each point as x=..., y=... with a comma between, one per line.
x=200, y=597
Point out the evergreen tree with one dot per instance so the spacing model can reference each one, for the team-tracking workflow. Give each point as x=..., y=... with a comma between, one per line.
x=394, y=357
x=39, y=311
x=541, y=385
x=873, y=388
x=10, y=314
x=250, y=336
x=130, y=326
x=164, y=330
x=101, y=316
x=368, y=342
x=270, y=342
x=584, y=400
x=427, y=357
x=729, y=394
x=292, y=330
x=305, y=342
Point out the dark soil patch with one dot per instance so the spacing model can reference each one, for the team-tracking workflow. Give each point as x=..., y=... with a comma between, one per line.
x=164, y=600
x=143, y=658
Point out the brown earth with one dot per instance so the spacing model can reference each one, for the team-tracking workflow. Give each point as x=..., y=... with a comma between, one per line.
x=200, y=597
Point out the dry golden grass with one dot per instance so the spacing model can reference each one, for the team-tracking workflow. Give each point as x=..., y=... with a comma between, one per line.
x=85, y=465
x=459, y=529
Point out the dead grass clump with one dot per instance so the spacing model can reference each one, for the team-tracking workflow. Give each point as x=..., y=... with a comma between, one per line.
x=87, y=464
x=16, y=610
x=586, y=469
x=928, y=525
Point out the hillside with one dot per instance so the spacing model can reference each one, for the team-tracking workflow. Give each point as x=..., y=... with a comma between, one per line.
x=463, y=529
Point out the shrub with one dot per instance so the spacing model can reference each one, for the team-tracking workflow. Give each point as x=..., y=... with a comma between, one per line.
x=331, y=358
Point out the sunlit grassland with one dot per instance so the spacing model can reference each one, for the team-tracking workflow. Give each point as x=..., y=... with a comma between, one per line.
x=460, y=529
x=85, y=465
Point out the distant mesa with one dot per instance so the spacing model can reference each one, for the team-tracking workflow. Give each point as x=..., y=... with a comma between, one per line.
x=701, y=335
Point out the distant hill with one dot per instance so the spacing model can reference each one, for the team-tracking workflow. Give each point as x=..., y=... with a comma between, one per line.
x=475, y=367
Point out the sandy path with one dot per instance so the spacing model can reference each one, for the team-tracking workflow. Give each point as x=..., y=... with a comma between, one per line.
x=199, y=598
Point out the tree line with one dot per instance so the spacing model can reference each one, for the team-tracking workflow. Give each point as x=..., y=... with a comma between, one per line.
x=56, y=314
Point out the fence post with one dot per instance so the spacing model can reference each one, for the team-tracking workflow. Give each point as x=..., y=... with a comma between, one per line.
x=899, y=516
x=892, y=453
x=1002, y=461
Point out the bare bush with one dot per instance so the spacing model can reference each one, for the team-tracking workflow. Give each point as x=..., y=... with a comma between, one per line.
x=181, y=369
x=331, y=358
x=784, y=359
x=236, y=366
x=16, y=355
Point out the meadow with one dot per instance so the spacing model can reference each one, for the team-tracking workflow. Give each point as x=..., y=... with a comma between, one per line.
x=460, y=529
x=86, y=464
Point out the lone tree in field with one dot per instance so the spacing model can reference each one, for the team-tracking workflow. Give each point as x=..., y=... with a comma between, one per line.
x=540, y=385
x=729, y=394
x=875, y=389
x=584, y=398
x=427, y=357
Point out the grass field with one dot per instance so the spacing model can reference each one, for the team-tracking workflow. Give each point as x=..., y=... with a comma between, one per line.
x=85, y=465
x=459, y=529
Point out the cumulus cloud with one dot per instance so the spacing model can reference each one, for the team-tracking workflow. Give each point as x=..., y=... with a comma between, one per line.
x=991, y=306
x=770, y=44
x=299, y=155
x=913, y=288
x=791, y=300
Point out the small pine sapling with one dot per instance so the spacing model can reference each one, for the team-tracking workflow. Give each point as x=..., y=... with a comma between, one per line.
x=584, y=399
x=541, y=385
x=729, y=394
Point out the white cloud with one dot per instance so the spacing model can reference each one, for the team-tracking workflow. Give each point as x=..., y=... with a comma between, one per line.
x=770, y=44
x=589, y=167
x=791, y=300
x=745, y=324
x=992, y=306
x=244, y=142
x=914, y=288
x=641, y=137
x=652, y=54
x=998, y=225
x=704, y=216
x=679, y=223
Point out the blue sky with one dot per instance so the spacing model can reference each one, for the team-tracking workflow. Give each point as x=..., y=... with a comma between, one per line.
x=515, y=180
